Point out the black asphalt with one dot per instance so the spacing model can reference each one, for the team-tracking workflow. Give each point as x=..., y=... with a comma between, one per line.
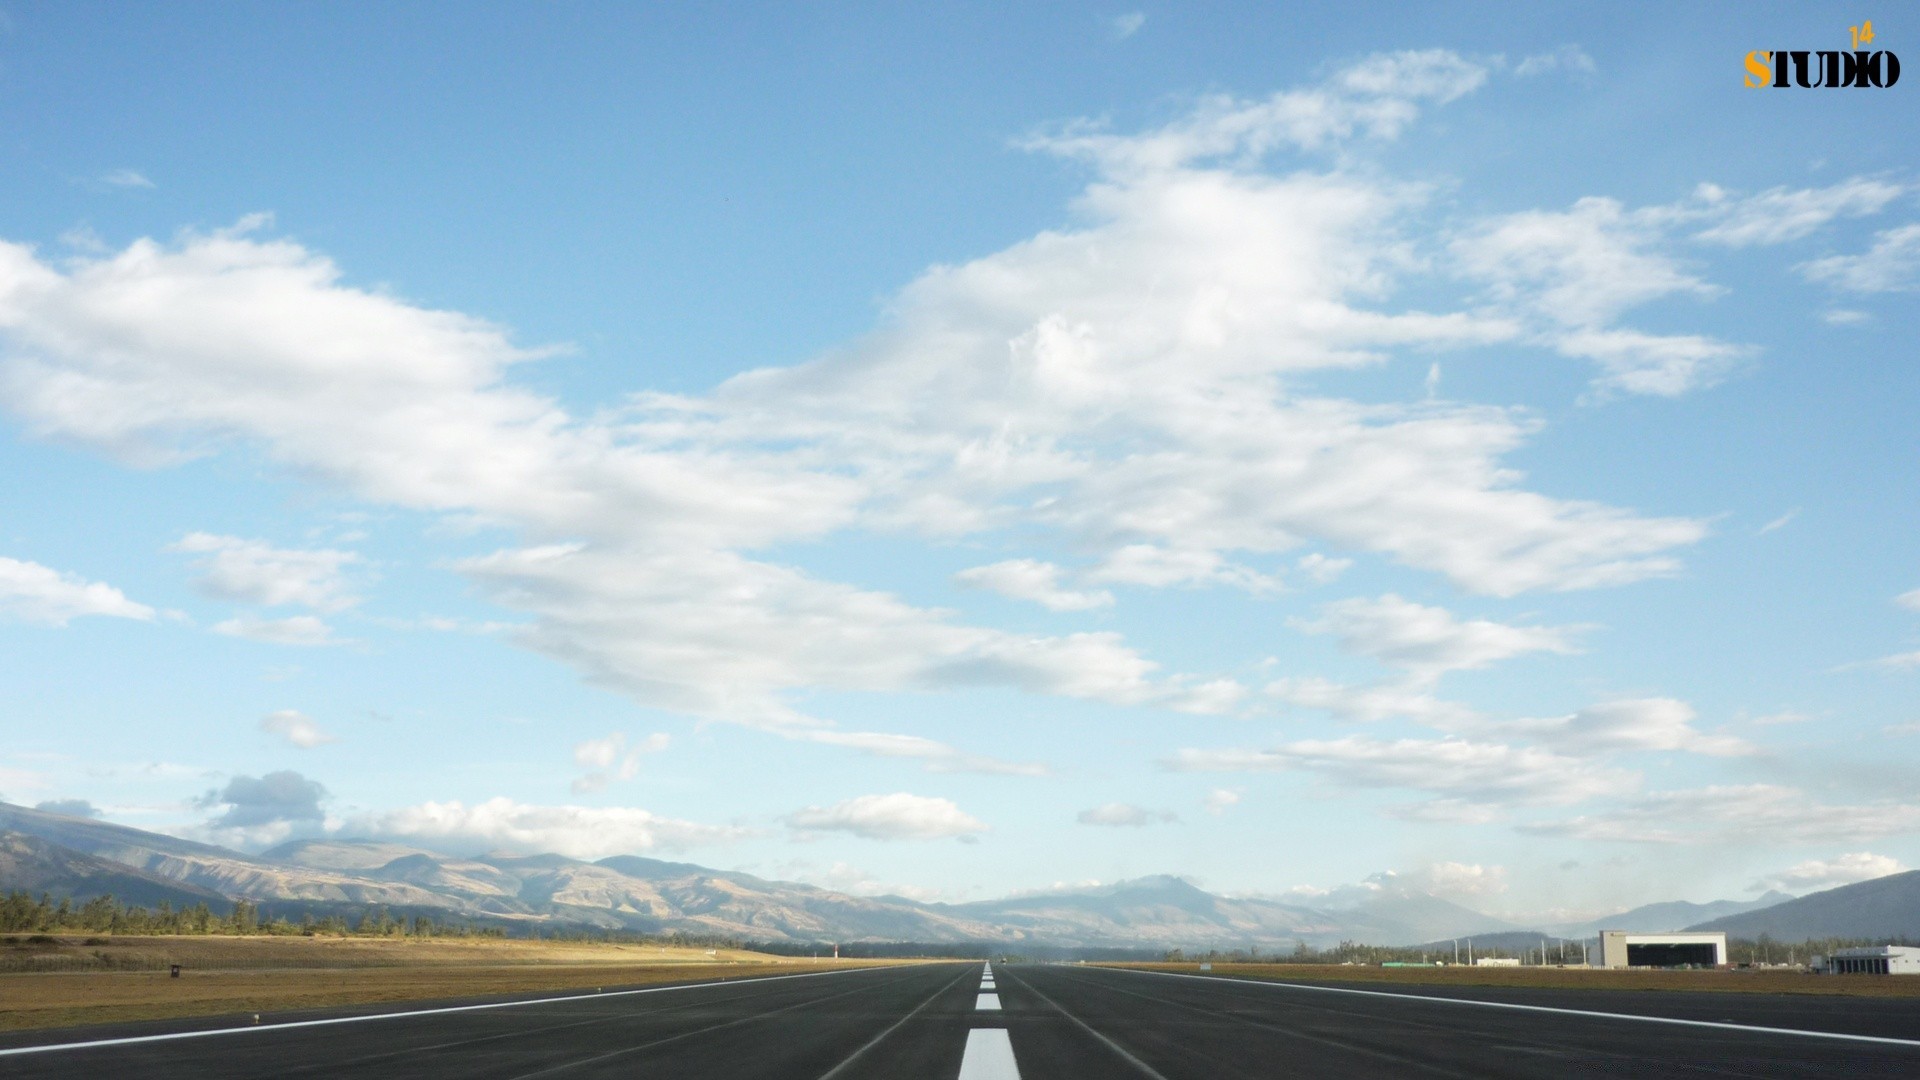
x=1063, y=1022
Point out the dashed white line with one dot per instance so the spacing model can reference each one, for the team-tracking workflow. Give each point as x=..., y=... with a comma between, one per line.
x=989, y=1056
x=987, y=1003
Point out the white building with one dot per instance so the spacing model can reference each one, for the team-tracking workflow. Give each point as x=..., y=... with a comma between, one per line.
x=1497, y=961
x=1876, y=960
x=1621, y=949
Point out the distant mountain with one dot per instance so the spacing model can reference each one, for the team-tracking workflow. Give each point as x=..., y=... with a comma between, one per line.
x=37, y=866
x=653, y=896
x=1887, y=907
x=1151, y=910
x=1671, y=915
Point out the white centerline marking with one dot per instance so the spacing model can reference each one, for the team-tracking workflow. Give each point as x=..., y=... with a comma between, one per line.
x=987, y=1003
x=259, y=1029
x=1722, y=1025
x=989, y=1056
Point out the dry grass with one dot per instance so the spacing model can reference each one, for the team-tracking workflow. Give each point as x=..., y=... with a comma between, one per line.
x=1757, y=981
x=277, y=975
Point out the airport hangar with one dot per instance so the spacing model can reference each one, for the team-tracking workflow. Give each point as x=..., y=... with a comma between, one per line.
x=1622, y=949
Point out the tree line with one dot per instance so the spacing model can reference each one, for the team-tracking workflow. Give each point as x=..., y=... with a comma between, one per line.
x=22, y=912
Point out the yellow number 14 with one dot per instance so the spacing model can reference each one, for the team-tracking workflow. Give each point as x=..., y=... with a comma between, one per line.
x=1862, y=34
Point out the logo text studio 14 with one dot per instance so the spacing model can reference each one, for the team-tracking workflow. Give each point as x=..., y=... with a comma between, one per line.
x=1825, y=67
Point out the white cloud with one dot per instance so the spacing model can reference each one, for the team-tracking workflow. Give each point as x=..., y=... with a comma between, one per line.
x=1429, y=641
x=1158, y=567
x=303, y=630
x=1322, y=569
x=1125, y=384
x=1565, y=58
x=41, y=594
x=1817, y=874
x=1220, y=800
x=1779, y=522
x=580, y=832
x=1475, y=773
x=1765, y=813
x=1889, y=265
x=1371, y=704
x=1030, y=579
x=1375, y=98
x=253, y=572
x=1844, y=317
x=295, y=727
x=1573, y=273
x=898, y=816
x=1124, y=815
x=1778, y=215
x=1909, y=600
x=1635, y=724
x=1907, y=661
x=612, y=759
x=125, y=178
x=1125, y=26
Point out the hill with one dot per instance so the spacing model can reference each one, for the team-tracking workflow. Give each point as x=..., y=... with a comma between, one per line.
x=1887, y=907
x=37, y=866
x=642, y=895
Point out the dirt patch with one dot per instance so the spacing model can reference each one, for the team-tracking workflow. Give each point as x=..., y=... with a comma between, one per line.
x=1737, y=980
x=277, y=975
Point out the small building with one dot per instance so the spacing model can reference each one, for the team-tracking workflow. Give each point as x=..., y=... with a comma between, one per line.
x=1497, y=961
x=1621, y=949
x=1875, y=960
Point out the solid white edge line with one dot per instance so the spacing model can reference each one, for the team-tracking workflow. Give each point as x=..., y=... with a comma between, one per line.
x=257, y=1028
x=1886, y=1040
x=988, y=1056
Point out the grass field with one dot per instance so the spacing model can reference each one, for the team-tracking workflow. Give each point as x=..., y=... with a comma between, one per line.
x=1740, y=981
x=222, y=975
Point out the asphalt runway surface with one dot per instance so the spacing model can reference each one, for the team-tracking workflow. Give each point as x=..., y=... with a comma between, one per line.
x=947, y=1021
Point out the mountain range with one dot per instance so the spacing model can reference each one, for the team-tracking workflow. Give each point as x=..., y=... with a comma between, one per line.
x=78, y=856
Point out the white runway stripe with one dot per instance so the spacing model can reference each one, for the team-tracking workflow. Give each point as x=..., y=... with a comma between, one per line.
x=989, y=1056
x=1550, y=1009
x=264, y=1029
x=987, y=1003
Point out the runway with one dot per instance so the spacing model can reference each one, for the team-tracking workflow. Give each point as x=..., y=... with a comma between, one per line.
x=960, y=1020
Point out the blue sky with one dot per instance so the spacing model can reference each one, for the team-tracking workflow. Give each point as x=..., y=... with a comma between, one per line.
x=970, y=451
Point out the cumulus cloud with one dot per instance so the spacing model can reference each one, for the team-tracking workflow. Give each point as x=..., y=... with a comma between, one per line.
x=1890, y=265
x=1909, y=600
x=580, y=832
x=254, y=572
x=40, y=594
x=1371, y=704
x=1126, y=384
x=303, y=630
x=258, y=810
x=1450, y=880
x=1220, y=800
x=1573, y=273
x=1636, y=724
x=1780, y=214
x=1767, y=813
x=1817, y=874
x=80, y=808
x=1125, y=815
x=296, y=727
x=612, y=759
x=1031, y=579
x=1429, y=641
x=899, y=816
x=1467, y=777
